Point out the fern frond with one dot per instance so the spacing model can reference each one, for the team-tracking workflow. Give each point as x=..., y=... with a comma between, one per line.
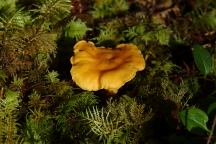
x=100, y=123
x=39, y=47
x=81, y=101
x=52, y=10
x=120, y=121
x=27, y=49
x=15, y=21
x=74, y=105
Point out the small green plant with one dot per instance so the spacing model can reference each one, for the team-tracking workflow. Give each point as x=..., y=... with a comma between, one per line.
x=195, y=120
x=204, y=15
x=141, y=34
x=75, y=29
x=119, y=122
x=203, y=59
x=49, y=12
x=107, y=34
x=105, y=8
x=9, y=103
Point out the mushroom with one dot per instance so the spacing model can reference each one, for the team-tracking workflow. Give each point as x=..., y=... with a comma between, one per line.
x=95, y=68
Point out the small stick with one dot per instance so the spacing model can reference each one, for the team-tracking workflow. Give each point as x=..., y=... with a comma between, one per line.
x=212, y=130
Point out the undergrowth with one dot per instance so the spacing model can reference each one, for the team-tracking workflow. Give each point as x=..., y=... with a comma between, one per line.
x=39, y=103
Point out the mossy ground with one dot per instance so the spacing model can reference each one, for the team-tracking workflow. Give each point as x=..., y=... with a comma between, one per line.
x=39, y=102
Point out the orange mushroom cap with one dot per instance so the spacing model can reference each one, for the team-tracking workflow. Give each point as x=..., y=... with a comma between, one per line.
x=95, y=68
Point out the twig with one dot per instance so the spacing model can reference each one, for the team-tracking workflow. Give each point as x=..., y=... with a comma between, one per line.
x=212, y=130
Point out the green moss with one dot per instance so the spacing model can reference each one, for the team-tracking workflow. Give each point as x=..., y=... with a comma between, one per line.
x=37, y=103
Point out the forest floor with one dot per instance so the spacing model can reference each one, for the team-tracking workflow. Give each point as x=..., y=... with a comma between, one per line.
x=169, y=100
